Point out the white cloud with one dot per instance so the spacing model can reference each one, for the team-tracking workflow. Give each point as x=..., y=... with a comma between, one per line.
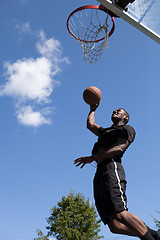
x=48, y=48
x=51, y=49
x=28, y=117
x=23, y=28
x=29, y=79
x=32, y=80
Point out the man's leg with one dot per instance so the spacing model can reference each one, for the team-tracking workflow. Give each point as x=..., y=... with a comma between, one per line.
x=135, y=225
x=155, y=234
x=119, y=228
x=133, y=222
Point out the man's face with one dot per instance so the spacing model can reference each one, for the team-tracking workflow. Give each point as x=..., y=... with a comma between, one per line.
x=118, y=115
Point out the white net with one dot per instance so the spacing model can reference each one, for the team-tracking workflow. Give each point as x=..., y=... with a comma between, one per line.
x=91, y=27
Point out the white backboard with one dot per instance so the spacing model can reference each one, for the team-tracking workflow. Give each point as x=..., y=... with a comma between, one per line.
x=142, y=14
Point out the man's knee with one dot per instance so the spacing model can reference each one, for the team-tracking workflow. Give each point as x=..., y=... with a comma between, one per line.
x=122, y=216
x=114, y=227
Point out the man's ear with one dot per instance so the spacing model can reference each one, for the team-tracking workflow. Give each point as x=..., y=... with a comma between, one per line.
x=126, y=118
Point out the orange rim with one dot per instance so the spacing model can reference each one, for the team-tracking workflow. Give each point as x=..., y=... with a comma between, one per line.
x=102, y=8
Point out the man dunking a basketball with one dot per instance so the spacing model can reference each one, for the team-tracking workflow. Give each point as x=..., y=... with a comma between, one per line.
x=109, y=180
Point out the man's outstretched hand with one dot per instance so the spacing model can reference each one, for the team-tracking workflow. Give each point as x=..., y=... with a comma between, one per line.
x=94, y=107
x=83, y=161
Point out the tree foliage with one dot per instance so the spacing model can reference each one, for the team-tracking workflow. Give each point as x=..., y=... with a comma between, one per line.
x=74, y=218
x=156, y=221
x=41, y=236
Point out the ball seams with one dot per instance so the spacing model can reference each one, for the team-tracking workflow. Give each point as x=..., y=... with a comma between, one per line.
x=96, y=94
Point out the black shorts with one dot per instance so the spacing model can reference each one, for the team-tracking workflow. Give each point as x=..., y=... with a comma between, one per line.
x=109, y=190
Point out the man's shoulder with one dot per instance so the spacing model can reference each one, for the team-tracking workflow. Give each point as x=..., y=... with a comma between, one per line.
x=129, y=127
x=130, y=132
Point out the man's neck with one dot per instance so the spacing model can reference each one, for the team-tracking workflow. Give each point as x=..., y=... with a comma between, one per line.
x=119, y=124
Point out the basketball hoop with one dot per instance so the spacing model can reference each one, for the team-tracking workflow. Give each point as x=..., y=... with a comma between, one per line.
x=91, y=26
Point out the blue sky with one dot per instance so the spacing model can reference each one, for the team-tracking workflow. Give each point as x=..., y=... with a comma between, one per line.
x=43, y=115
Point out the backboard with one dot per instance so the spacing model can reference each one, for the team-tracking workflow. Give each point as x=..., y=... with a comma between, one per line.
x=142, y=14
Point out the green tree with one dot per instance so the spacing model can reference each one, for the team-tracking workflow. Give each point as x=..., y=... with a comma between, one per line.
x=73, y=218
x=41, y=236
x=156, y=221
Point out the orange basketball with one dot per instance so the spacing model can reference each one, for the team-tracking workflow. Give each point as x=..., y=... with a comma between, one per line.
x=92, y=95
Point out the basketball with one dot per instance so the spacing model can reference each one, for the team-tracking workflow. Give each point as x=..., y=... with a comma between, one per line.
x=92, y=95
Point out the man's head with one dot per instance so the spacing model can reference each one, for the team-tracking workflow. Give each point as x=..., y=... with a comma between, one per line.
x=120, y=117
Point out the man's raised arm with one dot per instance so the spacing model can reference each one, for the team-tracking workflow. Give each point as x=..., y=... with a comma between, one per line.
x=91, y=125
